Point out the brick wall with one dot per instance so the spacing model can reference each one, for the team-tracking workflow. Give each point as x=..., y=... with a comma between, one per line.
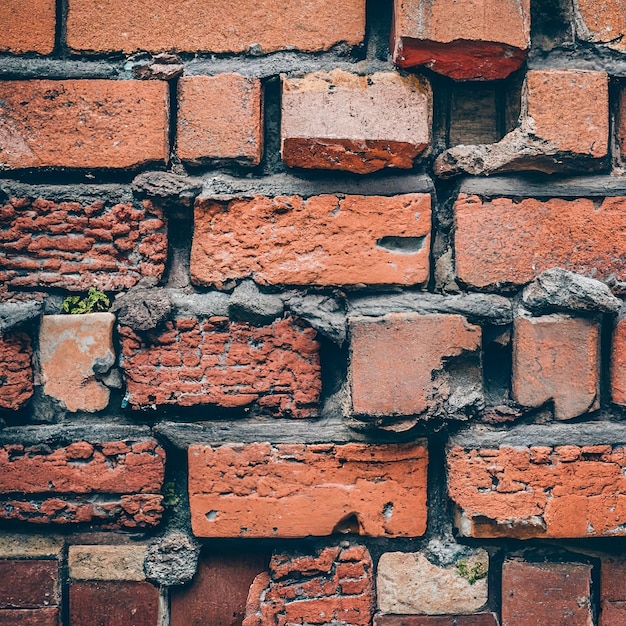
x=356, y=352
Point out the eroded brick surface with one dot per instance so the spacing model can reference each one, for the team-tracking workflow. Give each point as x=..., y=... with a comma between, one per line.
x=602, y=23
x=333, y=586
x=229, y=364
x=618, y=363
x=27, y=26
x=539, y=491
x=76, y=246
x=504, y=241
x=264, y=490
x=323, y=240
x=16, y=370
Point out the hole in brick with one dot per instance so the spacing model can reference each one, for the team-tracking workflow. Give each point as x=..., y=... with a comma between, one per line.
x=211, y=516
x=388, y=510
x=497, y=363
x=401, y=245
x=348, y=524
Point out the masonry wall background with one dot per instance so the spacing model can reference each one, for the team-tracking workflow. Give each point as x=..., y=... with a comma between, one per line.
x=365, y=362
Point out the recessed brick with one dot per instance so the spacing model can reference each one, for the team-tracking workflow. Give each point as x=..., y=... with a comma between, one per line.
x=29, y=584
x=203, y=26
x=264, y=490
x=538, y=491
x=30, y=617
x=77, y=245
x=509, y=242
x=557, y=358
x=401, y=364
x=114, y=604
x=194, y=361
x=340, y=121
x=618, y=363
x=83, y=123
x=322, y=240
x=546, y=593
x=16, y=370
x=38, y=36
x=480, y=40
x=220, y=117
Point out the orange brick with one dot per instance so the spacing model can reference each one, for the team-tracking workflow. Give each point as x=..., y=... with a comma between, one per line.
x=602, y=23
x=322, y=240
x=340, y=121
x=618, y=363
x=220, y=117
x=16, y=370
x=209, y=26
x=83, y=123
x=479, y=39
x=557, y=358
x=27, y=26
x=264, y=490
x=503, y=241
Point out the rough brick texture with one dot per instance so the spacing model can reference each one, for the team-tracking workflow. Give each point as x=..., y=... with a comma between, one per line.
x=75, y=245
x=602, y=23
x=264, y=490
x=219, y=117
x=30, y=617
x=618, y=363
x=557, y=358
x=401, y=364
x=481, y=39
x=29, y=584
x=546, y=593
x=539, y=491
x=16, y=370
x=333, y=586
x=229, y=364
x=341, y=121
x=83, y=123
x=203, y=25
x=323, y=240
x=503, y=241
x=612, y=594
x=116, y=483
x=27, y=26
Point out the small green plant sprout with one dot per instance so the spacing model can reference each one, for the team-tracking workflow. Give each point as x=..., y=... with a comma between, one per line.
x=95, y=301
x=471, y=573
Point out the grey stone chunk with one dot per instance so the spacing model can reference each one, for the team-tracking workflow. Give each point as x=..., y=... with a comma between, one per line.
x=142, y=309
x=325, y=314
x=249, y=304
x=15, y=313
x=559, y=290
x=167, y=186
x=200, y=304
x=172, y=559
x=64, y=434
x=85, y=194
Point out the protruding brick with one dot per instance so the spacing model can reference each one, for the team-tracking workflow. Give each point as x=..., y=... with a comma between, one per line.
x=16, y=371
x=83, y=123
x=618, y=363
x=602, y=23
x=613, y=591
x=29, y=584
x=27, y=26
x=341, y=121
x=77, y=245
x=546, y=593
x=264, y=490
x=203, y=26
x=509, y=242
x=108, y=562
x=402, y=364
x=219, y=117
x=322, y=240
x=479, y=40
x=193, y=361
x=557, y=358
x=333, y=586
x=71, y=347
x=538, y=491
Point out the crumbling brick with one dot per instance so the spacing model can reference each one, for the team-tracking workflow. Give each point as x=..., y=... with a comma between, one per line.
x=16, y=370
x=618, y=363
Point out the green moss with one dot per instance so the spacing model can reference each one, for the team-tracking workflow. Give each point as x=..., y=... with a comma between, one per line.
x=95, y=301
x=471, y=573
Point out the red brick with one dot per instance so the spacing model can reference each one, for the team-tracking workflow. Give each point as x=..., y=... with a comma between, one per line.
x=510, y=492
x=16, y=371
x=479, y=619
x=481, y=39
x=264, y=490
x=30, y=617
x=602, y=23
x=618, y=363
x=340, y=121
x=322, y=240
x=275, y=368
x=114, y=604
x=27, y=26
x=398, y=362
x=546, y=593
x=84, y=123
x=313, y=595
x=613, y=614
x=74, y=245
x=204, y=26
x=557, y=358
x=219, y=590
x=220, y=117
x=504, y=241
x=29, y=584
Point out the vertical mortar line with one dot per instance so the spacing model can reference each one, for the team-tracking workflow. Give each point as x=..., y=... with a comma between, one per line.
x=272, y=162
x=614, y=114
x=173, y=120
x=64, y=609
x=607, y=324
x=60, y=33
x=501, y=90
x=164, y=606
